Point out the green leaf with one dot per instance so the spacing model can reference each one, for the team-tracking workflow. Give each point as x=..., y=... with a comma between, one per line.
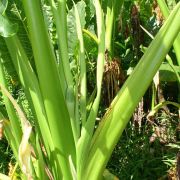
x=1, y=116
x=167, y=73
x=166, y=11
x=121, y=109
x=90, y=41
x=16, y=15
x=3, y=6
x=71, y=24
x=50, y=86
x=7, y=29
x=90, y=10
x=88, y=128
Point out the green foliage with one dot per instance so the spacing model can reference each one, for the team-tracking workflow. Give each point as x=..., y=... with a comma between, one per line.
x=7, y=29
x=136, y=158
x=52, y=129
x=71, y=25
x=167, y=73
x=6, y=156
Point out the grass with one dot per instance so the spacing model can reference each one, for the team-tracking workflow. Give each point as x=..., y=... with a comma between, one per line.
x=6, y=156
x=136, y=158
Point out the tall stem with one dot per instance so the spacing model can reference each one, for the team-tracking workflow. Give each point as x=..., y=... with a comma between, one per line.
x=121, y=109
x=50, y=86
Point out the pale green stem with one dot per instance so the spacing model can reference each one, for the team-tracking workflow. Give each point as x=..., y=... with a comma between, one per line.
x=109, y=25
x=82, y=62
x=50, y=85
x=122, y=107
x=164, y=8
x=87, y=130
x=60, y=16
x=92, y=36
x=160, y=105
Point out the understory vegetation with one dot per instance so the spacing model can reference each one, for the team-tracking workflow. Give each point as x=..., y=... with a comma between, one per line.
x=89, y=90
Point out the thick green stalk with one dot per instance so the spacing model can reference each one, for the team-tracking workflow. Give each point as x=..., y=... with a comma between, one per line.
x=88, y=128
x=168, y=58
x=59, y=12
x=113, y=7
x=109, y=24
x=121, y=109
x=82, y=64
x=49, y=80
x=61, y=24
x=77, y=114
x=30, y=84
x=91, y=35
x=163, y=6
x=166, y=12
x=160, y=105
x=60, y=16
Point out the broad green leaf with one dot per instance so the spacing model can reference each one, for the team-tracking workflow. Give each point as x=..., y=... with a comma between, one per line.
x=50, y=85
x=90, y=13
x=3, y=6
x=16, y=14
x=166, y=11
x=167, y=73
x=30, y=85
x=60, y=17
x=71, y=24
x=7, y=29
x=92, y=10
